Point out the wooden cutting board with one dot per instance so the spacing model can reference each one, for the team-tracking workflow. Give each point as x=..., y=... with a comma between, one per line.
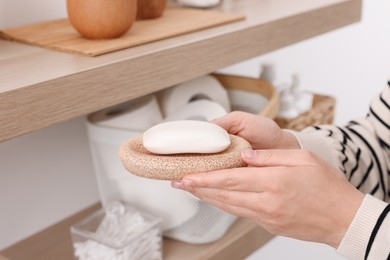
x=60, y=35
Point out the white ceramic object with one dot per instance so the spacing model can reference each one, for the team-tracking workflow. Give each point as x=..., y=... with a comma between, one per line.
x=186, y=136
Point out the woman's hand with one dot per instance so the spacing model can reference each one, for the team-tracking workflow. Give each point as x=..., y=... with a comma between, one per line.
x=260, y=132
x=288, y=192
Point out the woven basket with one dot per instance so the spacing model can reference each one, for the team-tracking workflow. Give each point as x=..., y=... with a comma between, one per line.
x=322, y=112
x=258, y=86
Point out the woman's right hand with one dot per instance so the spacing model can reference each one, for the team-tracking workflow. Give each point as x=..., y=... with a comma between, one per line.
x=261, y=132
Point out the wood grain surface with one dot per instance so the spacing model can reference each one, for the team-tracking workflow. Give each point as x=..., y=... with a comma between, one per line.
x=60, y=35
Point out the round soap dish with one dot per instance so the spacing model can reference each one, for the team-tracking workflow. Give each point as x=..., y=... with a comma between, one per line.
x=139, y=161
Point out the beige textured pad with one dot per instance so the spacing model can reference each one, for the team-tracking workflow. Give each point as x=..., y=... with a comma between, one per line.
x=138, y=161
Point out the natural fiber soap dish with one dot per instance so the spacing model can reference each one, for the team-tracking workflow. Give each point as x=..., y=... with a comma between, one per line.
x=139, y=161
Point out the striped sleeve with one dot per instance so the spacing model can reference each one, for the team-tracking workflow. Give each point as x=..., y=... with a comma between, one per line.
x=361, y=150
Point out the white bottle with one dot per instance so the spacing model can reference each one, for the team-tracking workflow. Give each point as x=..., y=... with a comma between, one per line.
x=288, y=107
x=303, y=100
x=268, y=72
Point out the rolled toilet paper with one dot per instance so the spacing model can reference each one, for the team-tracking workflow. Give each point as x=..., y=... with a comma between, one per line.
x=202, y=110
x=246, y=101
x=205, y=87
x=138, y=115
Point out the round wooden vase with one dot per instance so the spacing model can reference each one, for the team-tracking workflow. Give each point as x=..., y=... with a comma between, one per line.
x=102, y=19
x=150, y=9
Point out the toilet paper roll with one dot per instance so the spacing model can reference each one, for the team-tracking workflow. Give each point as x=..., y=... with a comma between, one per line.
x=205, y=87
x=246, y=101
x=202, y=110
x=138, y=115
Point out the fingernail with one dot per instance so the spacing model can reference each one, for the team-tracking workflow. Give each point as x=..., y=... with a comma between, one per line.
x=183, y=185
x=177, y=184
x=248, y=154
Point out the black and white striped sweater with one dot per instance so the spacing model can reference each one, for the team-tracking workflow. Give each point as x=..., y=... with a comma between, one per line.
x=361, y=150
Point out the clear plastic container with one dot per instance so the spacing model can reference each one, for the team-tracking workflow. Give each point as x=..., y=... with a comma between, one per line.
x=117, y=232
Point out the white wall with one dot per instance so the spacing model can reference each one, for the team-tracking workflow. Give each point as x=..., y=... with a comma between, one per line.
x=19, y=12
x=44, y=176
x=48, y=174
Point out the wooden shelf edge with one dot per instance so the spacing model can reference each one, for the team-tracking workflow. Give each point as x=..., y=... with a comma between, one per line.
x=54, y=242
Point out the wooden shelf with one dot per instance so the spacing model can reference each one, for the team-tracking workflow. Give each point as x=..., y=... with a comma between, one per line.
x=39, y=87
x=241, y=240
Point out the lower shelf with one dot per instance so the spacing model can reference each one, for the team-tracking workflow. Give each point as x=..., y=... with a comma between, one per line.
x=241, y=240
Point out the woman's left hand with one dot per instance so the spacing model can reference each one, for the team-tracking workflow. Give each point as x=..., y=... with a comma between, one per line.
x=288, y=192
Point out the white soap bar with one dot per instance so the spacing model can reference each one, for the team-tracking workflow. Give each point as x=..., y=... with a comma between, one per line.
x=186, y=136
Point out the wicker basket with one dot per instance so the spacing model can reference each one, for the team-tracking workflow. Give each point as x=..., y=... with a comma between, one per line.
x=258, y=86
x=322, y=112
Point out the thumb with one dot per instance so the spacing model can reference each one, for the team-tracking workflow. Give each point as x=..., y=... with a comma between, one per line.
x=232, y=122
x=288, y=157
